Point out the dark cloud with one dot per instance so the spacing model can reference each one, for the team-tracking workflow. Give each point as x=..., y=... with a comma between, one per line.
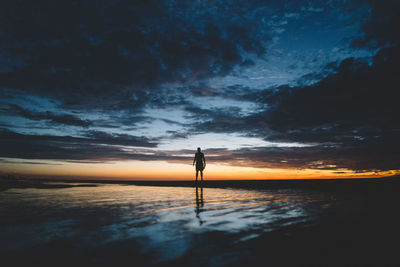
x=235, y=92
x=382, y=27
x=111, y=54
x=99, y=137
x=177, y=135
x=172, y=122
x=28, y=146
x=27, y=162
x=227, y=120
x=96, y=147
x=66, y=119
x=356, y=108
x=218, y=120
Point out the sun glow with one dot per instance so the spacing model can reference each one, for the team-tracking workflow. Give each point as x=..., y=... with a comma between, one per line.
x=160, y=170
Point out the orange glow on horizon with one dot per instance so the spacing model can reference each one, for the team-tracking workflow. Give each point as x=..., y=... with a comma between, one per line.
x=158, y=170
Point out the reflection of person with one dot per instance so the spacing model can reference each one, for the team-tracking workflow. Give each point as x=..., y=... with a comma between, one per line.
x=199, y=203
x=200, y=163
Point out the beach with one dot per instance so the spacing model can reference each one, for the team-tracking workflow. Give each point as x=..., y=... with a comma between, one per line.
x=278, y=223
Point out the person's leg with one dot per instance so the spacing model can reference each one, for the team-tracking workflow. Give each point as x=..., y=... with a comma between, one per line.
x=197, y=174
x=201, y=172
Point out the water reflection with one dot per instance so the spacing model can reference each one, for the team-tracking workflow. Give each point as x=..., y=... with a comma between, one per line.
x=159, y=220
x=199, y=203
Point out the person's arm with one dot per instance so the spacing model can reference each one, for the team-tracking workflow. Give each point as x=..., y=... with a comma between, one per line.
x=204, y=160
x=194, y=160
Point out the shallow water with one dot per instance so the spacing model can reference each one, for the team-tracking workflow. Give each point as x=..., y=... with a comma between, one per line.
x=151, y=225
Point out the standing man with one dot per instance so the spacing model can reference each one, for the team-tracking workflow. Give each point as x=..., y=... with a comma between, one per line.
x=200, y=163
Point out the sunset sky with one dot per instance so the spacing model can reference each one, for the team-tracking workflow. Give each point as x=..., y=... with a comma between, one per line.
x=122, y=89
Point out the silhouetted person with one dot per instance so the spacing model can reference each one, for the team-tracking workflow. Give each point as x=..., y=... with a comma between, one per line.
x=199, y=203
x=200, y=163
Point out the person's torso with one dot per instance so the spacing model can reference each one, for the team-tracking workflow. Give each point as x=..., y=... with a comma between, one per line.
x=199, y=157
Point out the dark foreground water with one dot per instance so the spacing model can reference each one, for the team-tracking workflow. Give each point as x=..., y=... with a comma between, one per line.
x=148, y=225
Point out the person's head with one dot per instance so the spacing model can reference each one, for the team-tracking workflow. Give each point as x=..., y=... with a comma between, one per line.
x=198, y=149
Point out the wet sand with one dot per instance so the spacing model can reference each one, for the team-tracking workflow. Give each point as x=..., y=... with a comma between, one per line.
x=268, y=223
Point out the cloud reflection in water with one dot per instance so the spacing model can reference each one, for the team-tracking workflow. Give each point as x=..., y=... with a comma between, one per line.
x=165, y=222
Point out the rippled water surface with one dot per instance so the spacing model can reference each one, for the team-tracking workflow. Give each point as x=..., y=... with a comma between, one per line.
x=154, y=224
